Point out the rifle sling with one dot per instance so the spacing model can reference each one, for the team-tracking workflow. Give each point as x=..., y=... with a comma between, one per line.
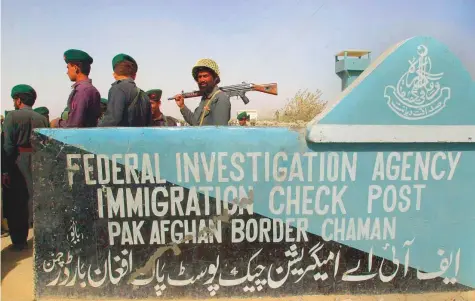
x=135, y=99
x=202, y=117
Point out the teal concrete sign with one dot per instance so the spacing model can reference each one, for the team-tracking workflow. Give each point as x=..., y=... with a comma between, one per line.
x=417, y=82
x=376, y=195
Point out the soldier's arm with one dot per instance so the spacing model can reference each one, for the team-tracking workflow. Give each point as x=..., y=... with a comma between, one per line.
x=4, y=157
x=77, y=110
x=9, y=145
x=42, y=122
x=115, y=108
x=45, y=122
x=189, y=116
x=222, y=110
x=149, y=114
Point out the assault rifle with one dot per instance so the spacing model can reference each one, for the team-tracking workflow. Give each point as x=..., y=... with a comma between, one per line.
x=238, y=90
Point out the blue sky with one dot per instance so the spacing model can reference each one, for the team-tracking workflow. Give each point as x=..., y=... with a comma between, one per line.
x=291, y=42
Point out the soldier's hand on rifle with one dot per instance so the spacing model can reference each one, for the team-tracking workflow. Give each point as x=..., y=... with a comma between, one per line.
x=6, y=180
x=180, y=100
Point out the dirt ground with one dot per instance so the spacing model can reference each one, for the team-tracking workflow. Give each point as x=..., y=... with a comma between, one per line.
x=17, y=284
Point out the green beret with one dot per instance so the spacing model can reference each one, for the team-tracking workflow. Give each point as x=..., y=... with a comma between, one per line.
x=23, y=89
x=74, y=55
x=242, y=116
x=42, y=110
x=155, y=94
x=122, y=57
x=104, y=101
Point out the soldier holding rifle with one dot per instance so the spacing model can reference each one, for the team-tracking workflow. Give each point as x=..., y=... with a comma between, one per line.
x=215, y=106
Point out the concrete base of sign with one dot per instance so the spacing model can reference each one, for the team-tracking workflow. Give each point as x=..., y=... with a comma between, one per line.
x=394, y=297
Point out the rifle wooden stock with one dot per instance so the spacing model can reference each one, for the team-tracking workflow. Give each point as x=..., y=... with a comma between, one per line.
x=266, y=88
x=191, y=94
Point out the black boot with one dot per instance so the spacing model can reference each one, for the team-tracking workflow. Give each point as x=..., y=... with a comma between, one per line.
x=20, y=247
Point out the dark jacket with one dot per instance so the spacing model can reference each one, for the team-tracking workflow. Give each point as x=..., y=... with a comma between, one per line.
x=121, y=95
x=17, y=127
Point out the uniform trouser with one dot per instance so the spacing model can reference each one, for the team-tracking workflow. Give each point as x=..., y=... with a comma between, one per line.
x=24, y=164
x=17, y=199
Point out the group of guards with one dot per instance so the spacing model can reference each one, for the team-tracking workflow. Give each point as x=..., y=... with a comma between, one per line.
x=126, y=106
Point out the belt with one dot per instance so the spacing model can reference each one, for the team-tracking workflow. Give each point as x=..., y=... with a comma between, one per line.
x=25, y=149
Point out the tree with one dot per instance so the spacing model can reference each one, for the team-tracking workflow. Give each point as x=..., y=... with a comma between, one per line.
x=304, y=106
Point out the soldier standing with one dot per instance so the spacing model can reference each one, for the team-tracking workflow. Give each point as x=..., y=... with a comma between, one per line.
x=18, y=127
x=158, y=118
x=127, y=105
x=215, y=107
x=43, y=111
x=243, y=118
x=84, y=101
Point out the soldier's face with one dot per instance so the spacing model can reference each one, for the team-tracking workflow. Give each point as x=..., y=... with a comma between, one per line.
x=16, y=103
x=72, y=71
x=155, y=106
x=103, y=108
x=242, y=122
x=205, y=80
